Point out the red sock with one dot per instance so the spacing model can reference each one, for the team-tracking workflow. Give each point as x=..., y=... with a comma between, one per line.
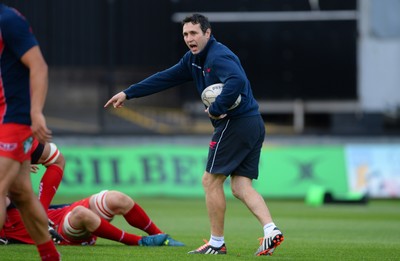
x=49, y=184
x=48, y=251
x=108, y=231
x=138, y=218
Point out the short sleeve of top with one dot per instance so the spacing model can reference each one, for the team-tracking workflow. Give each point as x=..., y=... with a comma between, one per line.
x=16, y=32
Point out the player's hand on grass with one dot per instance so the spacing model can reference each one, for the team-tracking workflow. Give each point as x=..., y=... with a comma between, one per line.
x=117, y=100
x=34, y=168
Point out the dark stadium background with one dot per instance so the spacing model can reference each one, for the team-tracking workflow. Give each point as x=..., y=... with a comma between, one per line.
x=97, y=47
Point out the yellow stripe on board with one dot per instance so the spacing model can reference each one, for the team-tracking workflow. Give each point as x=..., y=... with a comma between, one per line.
x=142, y=120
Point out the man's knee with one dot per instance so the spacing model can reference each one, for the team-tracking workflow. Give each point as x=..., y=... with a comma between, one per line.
x=79, y=213
x=52, y=155
x=118, y=202
x=211, y=181
x=237, y=190
x=240, y=186
x=208, y=179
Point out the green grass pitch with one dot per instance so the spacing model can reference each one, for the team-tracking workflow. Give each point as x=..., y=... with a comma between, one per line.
x=331, y=232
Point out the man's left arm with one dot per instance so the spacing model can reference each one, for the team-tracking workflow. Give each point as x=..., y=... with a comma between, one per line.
x=233, y=78
x=38, y=74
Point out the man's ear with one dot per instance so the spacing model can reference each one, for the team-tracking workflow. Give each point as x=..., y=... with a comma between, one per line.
x=208, y=33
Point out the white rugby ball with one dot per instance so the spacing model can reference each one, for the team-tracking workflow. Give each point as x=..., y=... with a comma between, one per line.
x=211, y=92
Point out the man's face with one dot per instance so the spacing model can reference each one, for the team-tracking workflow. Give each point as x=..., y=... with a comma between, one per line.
x=194, y=37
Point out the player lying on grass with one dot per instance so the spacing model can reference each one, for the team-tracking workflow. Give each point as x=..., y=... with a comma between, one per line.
x=49, y=156
x=83, y=221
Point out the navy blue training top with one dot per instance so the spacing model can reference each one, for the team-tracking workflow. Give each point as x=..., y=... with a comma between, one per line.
x=16, y=38
x=214, y=64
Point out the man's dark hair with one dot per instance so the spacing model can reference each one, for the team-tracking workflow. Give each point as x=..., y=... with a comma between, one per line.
x=198, y=19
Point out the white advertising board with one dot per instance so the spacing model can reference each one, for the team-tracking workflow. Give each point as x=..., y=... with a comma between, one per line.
x=374, y=169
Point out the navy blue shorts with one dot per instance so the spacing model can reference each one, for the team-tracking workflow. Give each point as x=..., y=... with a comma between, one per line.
x=235, y=147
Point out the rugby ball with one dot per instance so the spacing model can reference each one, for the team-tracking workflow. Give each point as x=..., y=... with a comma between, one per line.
x=211, y=92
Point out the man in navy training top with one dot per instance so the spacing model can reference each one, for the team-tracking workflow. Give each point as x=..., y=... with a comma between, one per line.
x=23, y=89
x=238, y=133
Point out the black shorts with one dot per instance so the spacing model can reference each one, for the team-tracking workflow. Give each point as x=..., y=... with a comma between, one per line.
x=235, y=147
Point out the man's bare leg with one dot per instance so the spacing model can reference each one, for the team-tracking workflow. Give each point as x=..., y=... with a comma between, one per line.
x=9, y=169
x=32, y=212
x=242, y=189
x=215, y=202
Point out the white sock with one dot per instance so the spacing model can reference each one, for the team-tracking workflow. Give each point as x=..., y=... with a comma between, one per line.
x=268, y=228
x=216, y=241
